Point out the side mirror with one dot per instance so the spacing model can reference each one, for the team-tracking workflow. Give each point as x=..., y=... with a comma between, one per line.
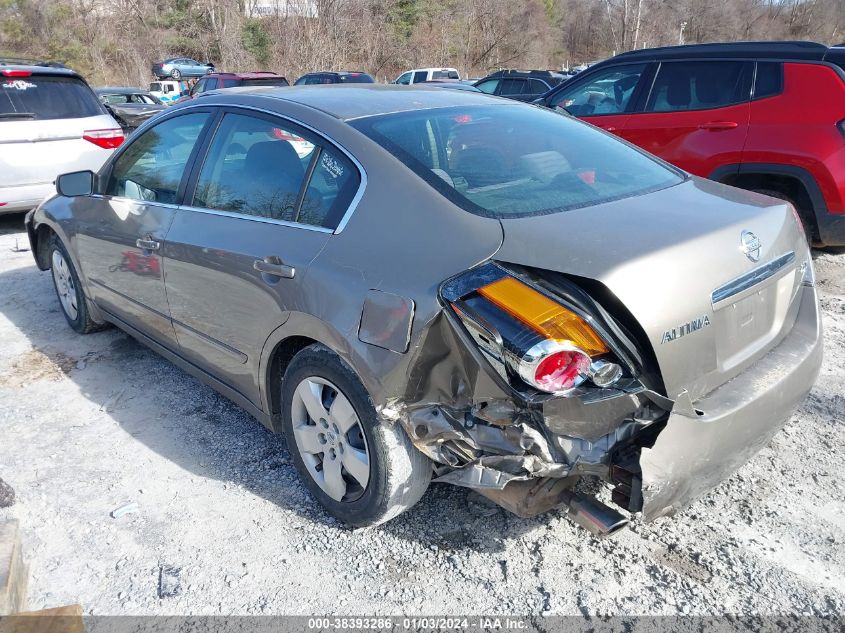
x=75, y=184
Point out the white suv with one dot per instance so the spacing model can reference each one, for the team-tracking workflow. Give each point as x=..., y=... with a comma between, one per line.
x=51, y=123
x=420, y=75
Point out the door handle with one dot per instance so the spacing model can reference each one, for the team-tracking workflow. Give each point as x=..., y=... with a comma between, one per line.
x=272, y=265
x=147, y=244
x=715, y=126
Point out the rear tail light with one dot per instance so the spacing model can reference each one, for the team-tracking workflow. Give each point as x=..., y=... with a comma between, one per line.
x=547, y=345
x=107, y=139
x=8, y=72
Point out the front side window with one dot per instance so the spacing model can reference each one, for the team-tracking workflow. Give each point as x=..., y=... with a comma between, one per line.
x=488, y=86
x=605, y=92
x=699, y=85
x=258, y=167
x=512, y=86
x=538, y=87
x=404, y=79
x=151, y=168
x=508, y=161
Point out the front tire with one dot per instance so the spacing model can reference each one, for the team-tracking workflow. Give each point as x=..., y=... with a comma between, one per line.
x=362, y=470
x=69, y=290
x=176, y=74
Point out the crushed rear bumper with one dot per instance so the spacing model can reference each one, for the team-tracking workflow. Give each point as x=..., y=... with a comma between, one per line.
x=693, y=454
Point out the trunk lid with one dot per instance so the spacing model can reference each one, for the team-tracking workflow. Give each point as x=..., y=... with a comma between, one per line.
x=677, y=259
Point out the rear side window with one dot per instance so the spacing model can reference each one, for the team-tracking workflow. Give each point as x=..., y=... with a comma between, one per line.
x=270, y=81
x=699, y=86
x=769, y=79
x=259, y=167
x=538, y=87
x=44, y=98
x=151, y=168
x=420, y=76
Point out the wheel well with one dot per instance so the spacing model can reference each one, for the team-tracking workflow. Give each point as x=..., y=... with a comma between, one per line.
x=43, y=235
x=279, y=361
x=789, y=186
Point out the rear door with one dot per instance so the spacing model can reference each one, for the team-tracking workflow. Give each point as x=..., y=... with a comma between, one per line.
x=121, y=231
x=513, y=87
x=696, y=115
x=605, y=97
x=258, y=211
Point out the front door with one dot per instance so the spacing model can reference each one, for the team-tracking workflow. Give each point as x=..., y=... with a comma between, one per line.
x=122, y=230
x=697, y=115
x=264, y=203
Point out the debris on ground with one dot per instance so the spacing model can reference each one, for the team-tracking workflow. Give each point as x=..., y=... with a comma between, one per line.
x=169, y=584
x=7, y=494
x=129, y=508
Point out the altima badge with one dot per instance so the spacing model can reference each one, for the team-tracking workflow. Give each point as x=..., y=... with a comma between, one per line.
x=685, y=328
x=750, y=245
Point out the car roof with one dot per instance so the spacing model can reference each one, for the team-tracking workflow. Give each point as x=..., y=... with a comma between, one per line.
x=39, y=69
x=755, y=50
x=124, y=90
x=354, y=101
x=257, y=74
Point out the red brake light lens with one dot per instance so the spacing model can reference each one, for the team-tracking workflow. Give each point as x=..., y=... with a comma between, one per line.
x=8, y=72
x=562, y=370
x=107, y=139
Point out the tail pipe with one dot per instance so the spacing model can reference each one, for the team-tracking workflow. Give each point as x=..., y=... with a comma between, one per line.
x=594, y=516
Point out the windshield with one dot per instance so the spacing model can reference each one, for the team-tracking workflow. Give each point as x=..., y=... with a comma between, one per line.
x=43, y=98
x=515, y=160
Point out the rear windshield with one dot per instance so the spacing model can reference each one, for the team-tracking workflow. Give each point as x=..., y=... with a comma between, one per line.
x=444, y=74
x=270, y=81
x=509, y=161
x=356, y=78
x=44, y=98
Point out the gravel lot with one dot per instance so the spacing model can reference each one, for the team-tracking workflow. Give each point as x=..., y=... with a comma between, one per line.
x=89, y=424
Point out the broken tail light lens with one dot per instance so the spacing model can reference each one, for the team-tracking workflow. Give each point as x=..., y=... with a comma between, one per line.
x=107, y=139
x=543, y=315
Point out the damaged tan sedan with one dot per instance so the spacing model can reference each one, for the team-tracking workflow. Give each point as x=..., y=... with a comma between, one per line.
x=416, y=284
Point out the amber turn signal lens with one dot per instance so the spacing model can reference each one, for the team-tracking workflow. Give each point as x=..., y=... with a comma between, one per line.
x=543, y=315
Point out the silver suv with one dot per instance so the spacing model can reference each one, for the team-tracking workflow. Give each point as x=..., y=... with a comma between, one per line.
x=50, y=123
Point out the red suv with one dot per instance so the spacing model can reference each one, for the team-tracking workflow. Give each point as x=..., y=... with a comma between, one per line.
x=765, y=116
x=213, y=81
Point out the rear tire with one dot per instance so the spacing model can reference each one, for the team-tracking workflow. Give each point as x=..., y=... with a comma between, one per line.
x=69, y=291
x=396, y=474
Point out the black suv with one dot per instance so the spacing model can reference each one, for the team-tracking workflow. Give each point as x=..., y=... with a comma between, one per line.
x=342, y=77
x=522, y=85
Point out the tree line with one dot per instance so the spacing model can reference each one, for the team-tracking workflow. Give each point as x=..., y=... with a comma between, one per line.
x=116, y=41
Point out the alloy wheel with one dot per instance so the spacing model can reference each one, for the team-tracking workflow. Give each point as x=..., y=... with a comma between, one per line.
x=65, y=287
x=330, y=439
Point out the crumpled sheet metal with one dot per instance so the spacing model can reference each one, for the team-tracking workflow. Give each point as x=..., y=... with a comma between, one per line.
x=696, y=452
x=497, y=471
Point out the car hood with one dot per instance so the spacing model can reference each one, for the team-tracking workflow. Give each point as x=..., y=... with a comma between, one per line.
x=663, y=254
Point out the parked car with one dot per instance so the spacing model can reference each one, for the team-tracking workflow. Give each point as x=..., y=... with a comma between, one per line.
x=51, y=122
x=217, y=81
x=737, y=113
x=454, y=84
x=417, y=297
x=426, y=74
x=130, y=106
x=521, y=85
x=343, y=77
x=168, y=92
x=178, y=67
